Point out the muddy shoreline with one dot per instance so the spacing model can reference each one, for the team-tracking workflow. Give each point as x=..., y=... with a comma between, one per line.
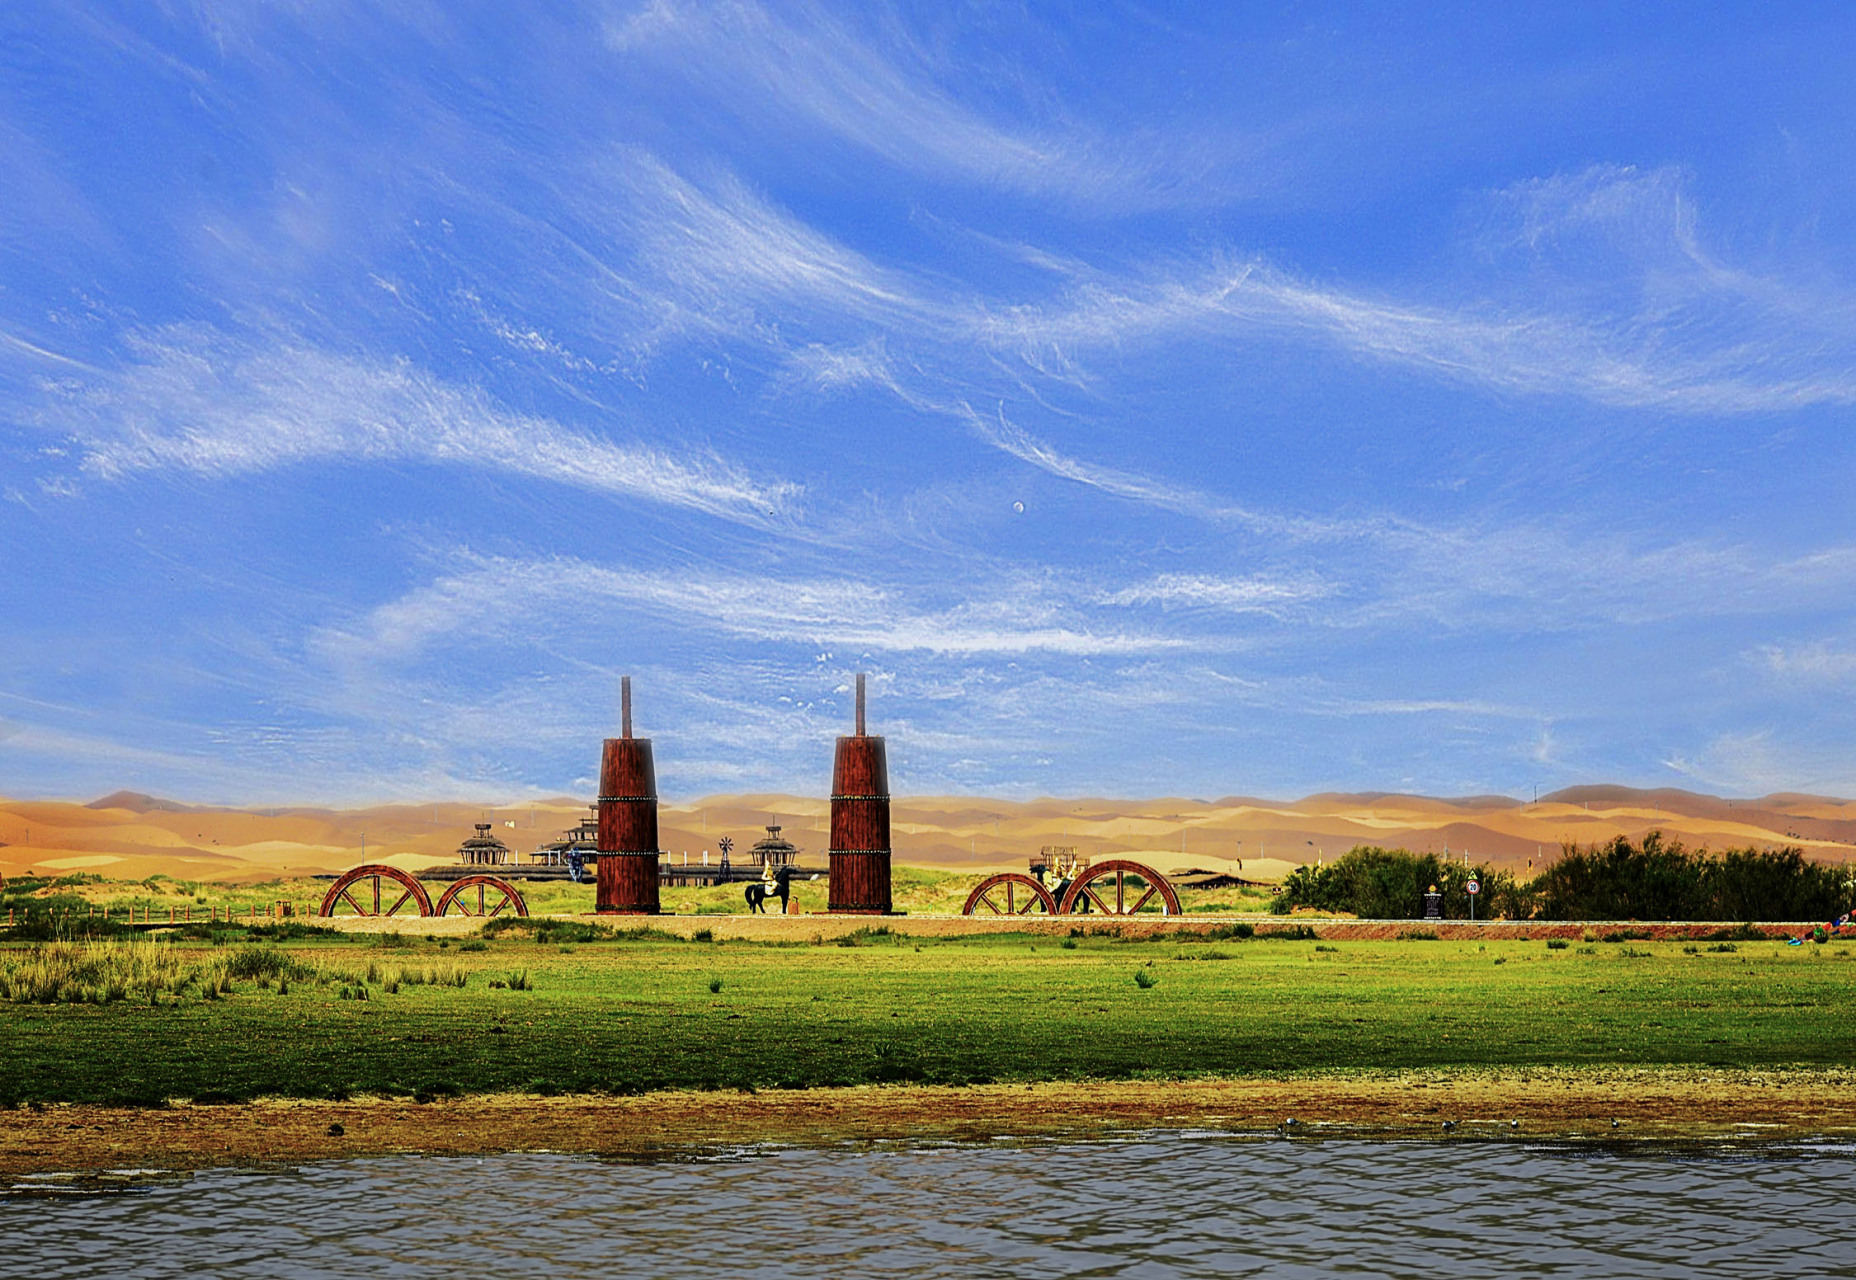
x=1650, y=1104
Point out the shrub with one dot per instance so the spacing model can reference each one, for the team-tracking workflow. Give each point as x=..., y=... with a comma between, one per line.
x=715, y=985
x=1144, y=978
x=1654, y=880
x=1389, y=884
x=1557, y=944
x=264, y=964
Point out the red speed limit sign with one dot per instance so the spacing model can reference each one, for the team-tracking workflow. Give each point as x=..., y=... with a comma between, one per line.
x=1474, y=886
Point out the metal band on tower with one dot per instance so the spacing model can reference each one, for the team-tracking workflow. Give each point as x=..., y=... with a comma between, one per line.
x=628, y=854
x=860, y=852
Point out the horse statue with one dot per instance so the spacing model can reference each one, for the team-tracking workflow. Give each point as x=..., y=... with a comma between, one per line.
x=773, y=884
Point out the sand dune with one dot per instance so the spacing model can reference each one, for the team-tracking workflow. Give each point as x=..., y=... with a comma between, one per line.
x=131, y=836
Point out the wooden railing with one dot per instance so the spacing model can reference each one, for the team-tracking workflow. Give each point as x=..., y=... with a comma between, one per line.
x=150, y=916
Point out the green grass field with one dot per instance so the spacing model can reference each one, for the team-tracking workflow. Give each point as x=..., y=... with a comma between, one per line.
x=642, y=1013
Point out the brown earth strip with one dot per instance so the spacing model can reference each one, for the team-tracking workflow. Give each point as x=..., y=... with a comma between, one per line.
x=805, y=928
x=1658, y=1104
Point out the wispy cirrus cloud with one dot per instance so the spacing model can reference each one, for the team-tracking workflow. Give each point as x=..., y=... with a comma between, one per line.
x=1275, y=597
x=1819, y=663
x=843, y=613
x=1684, y=333
x=1759, y=363
x=190, y=399
x=884, y=92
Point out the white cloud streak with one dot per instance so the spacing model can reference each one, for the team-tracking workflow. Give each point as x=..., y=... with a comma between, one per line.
x=193, y=401
x=1761, y=365
x=1270, y=596
x=1821, y=664
x=835, y=613
x=798, y=64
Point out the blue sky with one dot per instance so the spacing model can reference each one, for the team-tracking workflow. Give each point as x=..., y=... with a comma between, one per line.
x=1280, y=399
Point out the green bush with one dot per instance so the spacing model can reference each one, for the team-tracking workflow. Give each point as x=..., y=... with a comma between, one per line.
x=1651, y=879
x=1655, y=880
x=1389, y=884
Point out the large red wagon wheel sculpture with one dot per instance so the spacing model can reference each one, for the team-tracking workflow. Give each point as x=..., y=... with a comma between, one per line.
x=492, y=897
x=1119, y=887
x=1010, y=894
x=361, y=890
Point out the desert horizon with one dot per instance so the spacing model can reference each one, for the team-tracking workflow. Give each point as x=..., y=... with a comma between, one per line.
x=130, y=835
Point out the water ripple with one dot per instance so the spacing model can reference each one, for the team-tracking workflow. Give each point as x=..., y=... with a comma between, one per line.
x=1169, y=1208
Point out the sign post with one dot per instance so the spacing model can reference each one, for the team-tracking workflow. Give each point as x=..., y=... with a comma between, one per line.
x=1473, y=888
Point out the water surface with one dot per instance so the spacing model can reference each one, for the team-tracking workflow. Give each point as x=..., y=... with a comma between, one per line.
x=1165, y=1206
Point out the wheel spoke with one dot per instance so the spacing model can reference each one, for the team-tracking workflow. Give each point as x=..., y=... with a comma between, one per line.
x=397, y=905
x=1145, y=899
x=351, y=902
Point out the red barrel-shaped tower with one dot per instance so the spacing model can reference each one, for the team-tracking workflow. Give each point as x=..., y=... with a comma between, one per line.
x=627, y=882
x=859, y=850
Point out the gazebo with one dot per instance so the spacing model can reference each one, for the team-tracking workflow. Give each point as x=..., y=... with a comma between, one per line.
x=584, y=838
x=774, y=851
x=484, y=849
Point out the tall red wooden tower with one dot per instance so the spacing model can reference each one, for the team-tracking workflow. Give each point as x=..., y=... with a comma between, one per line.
x=628, y=820
x=859, y=852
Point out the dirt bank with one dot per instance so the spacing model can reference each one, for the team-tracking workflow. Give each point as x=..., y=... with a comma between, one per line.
x=826, y=927
x=1647, y=1104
